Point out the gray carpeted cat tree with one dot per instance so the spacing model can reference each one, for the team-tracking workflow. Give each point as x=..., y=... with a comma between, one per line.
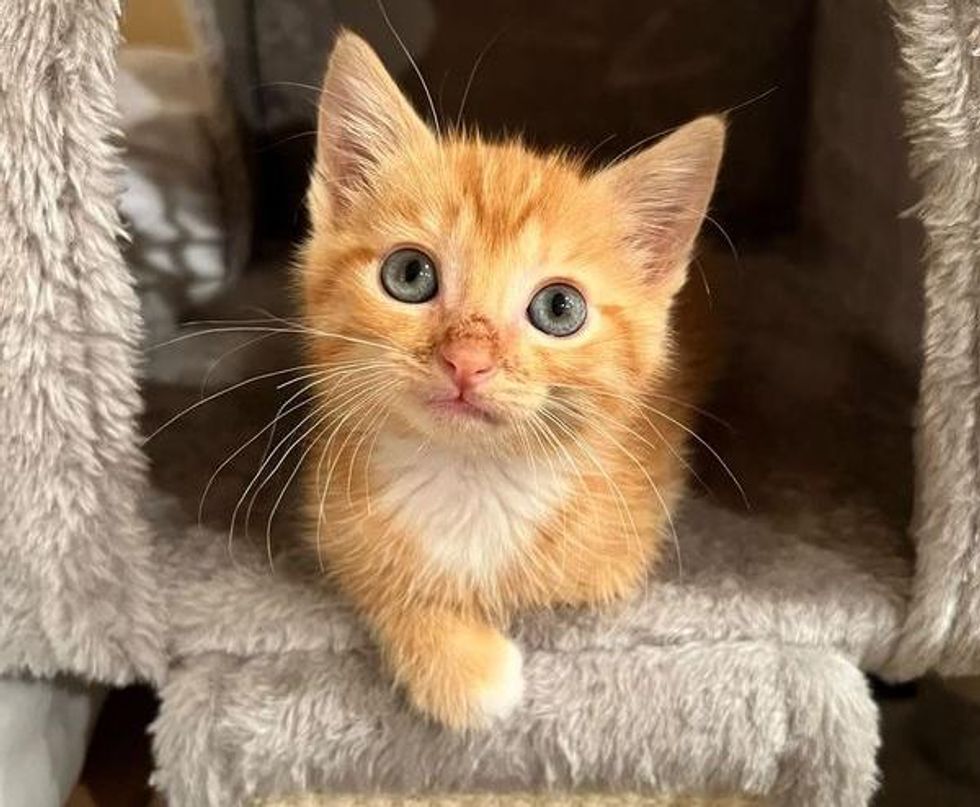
x=740, y=671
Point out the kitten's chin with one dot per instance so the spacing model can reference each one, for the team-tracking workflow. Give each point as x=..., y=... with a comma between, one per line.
x=455, y=422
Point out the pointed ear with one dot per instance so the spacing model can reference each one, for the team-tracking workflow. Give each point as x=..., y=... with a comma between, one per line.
x=663, y=193
x=363, y=119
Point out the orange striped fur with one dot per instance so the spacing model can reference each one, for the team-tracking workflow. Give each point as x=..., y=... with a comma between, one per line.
x=439, y=527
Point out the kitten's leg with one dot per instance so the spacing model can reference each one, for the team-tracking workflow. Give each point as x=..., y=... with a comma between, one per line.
x=456, y=669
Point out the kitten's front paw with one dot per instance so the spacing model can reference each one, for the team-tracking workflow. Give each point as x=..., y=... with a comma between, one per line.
x=503, y=692
x=477, y=679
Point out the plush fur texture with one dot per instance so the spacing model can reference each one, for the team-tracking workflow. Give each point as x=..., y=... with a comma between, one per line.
x=795, y=724
x=530, y=799
x=78, y=590
x=277, y=687
x=464, y=464
x=744, y=577
x=513, y=800
x=739, y=674
x=942, y=81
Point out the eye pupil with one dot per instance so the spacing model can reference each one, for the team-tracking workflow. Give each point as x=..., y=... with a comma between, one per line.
x=560, y=304
x=412, y=271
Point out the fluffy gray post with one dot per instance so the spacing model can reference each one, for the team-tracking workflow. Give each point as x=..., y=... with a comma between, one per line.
x=77, y=590
x=940, y=49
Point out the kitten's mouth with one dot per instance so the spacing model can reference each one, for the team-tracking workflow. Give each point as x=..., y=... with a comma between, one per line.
x=463, y=407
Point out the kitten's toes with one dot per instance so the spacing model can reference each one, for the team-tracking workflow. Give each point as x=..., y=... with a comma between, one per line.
x=501, y=694
x=475, y=680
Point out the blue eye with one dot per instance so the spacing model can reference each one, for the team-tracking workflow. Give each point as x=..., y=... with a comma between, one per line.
x=557, y=310
x=409, y=276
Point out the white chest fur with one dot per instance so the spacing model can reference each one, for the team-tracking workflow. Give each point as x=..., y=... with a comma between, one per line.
x=472, y=515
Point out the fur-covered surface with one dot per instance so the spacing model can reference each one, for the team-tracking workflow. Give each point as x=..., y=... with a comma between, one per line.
x=736, y=671
x=829, y=580
x=939, y=47
x=709, y=680
x=795, y=723
x=78, y=590
x=511, y=800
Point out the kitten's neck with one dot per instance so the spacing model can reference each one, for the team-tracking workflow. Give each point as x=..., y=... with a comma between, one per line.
x=471, y=513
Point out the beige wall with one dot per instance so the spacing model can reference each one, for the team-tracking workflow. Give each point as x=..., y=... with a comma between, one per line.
x=156, y=22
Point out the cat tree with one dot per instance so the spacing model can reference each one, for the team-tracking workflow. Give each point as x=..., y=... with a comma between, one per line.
x=743, y=673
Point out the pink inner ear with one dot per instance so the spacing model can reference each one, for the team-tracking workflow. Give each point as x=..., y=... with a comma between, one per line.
x=364, y=119
x=664, y=192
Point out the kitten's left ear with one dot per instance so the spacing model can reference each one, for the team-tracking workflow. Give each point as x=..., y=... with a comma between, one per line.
x=364, y=120
x=663, y=193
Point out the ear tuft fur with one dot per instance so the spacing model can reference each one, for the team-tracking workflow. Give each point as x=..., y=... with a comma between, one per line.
x=363, y=120
x=664, y=192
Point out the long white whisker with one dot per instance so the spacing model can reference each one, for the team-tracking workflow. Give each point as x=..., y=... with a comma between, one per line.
x=319, y=468
x=219, y=393
x=228, y=353
x=473, y=72
x=653, y=485
x=230, y=329
x=317, y=412
x=329, y=408
x=282, y=412
x=614, y=488
x=415, y=67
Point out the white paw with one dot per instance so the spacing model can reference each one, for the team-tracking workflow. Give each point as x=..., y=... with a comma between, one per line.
x=503, y=694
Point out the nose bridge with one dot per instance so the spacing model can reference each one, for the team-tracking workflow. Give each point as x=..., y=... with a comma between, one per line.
x=472, y=329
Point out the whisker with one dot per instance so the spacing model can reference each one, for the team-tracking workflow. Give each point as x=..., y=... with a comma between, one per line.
x=261, y=326
x=285, y=488
x=415, y=67
x=728, y=471
x=677, y=401
x=324, y=486
x=653, y=485
x=594, y=411
x=540, y=429
x=704, y=281
x=370, y=456
x=297, y=84
x=473, y=72
x=281, y=413
x=380, y=411
x=287, y=139
x=341, y=370
x=344, y=368
x=611, y=487
x=215, y=395
x=237, y=349
x=663, y=132
x=232, y=329
x=362, y=382
x=591, y=152
x=363, y=404
x=621, y=499
x=319, y=413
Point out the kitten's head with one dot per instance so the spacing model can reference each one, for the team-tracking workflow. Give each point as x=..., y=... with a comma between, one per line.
x=476, y=292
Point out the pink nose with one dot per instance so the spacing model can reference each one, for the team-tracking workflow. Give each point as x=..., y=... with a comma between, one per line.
x=467, y=363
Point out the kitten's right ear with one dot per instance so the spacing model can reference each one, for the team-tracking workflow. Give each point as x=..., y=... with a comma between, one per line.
x=363, y=119
x=663, y=193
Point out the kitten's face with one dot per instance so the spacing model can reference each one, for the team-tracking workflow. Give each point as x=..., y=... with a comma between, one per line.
x=489, y=296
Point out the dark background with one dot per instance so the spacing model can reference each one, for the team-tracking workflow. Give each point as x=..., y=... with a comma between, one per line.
x=594, y=76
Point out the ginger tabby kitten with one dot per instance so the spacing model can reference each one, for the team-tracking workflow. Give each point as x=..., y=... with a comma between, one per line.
x=506, y=377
